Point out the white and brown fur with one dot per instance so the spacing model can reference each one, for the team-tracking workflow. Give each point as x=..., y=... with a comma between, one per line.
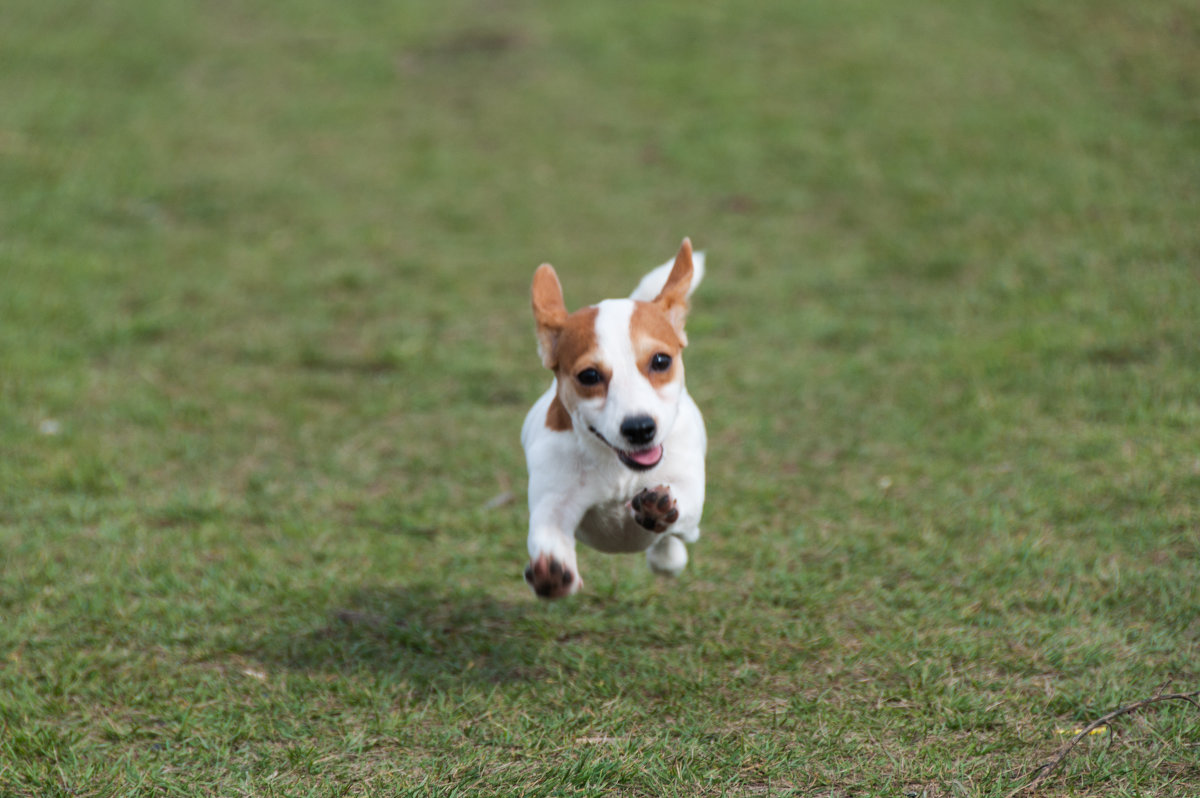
x=615, y=447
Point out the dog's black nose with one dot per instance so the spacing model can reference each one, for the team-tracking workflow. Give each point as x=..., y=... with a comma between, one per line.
x=638, y=429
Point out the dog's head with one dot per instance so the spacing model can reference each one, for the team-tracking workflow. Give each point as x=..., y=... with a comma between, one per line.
x=618, y=364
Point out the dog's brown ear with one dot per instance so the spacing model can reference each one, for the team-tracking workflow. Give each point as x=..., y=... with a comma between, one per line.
x=673, y=299
x=549, y=311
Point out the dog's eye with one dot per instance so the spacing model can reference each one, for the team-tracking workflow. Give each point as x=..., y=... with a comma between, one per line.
x=660, y=362
x=589, y=377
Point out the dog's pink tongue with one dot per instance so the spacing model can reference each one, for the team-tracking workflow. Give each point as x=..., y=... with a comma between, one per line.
x=648, y=457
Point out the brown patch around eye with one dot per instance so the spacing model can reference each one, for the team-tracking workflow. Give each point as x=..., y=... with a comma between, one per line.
x=576, y=351
x=596, y=385
x=653, y=333
x=577, y=339
x=660, y=378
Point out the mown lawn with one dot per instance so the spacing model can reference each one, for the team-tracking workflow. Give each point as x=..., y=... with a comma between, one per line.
x=265, y=348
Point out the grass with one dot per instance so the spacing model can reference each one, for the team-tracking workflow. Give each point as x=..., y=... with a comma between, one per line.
x=265, y=348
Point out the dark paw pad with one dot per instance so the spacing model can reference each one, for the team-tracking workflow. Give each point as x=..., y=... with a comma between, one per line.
x=548, y=577
x=655, y=509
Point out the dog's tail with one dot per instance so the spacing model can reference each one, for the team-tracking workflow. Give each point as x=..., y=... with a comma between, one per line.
x=652, y=284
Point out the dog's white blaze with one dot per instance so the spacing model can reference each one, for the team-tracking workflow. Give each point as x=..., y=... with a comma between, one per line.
x=629, y=391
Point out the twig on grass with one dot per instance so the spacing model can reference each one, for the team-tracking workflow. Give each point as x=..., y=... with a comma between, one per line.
x=1043, y=771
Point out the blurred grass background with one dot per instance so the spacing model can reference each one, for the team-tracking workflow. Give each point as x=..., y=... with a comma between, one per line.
x=265, y=348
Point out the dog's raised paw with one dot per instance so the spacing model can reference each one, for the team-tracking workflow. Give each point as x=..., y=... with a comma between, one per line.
x=550, y=578
x=654, y=508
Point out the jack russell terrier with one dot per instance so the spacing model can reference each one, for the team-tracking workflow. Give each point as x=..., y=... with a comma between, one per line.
x=615, y=447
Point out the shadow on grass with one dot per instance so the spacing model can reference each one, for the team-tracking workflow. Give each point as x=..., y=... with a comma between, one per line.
x=421, y=634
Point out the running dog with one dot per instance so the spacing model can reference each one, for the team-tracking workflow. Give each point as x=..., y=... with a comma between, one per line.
x=615, y=447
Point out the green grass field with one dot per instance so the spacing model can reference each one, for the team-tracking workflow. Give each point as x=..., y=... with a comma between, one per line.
x=265, y=349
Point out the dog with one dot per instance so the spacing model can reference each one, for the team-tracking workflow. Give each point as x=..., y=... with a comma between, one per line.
x=615, y=447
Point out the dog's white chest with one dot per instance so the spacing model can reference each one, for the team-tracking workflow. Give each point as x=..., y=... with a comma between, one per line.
x=607, y=527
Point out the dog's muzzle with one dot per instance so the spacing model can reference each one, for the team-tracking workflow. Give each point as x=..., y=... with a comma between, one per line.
x=640, y=459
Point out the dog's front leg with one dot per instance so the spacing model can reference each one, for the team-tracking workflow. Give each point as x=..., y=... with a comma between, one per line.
x=673, y=511
x=552, y=571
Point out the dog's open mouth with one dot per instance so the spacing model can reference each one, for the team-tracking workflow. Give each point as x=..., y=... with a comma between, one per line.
x=640, y=460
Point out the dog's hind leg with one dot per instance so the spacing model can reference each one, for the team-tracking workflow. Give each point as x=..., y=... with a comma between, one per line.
x=667, y=556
